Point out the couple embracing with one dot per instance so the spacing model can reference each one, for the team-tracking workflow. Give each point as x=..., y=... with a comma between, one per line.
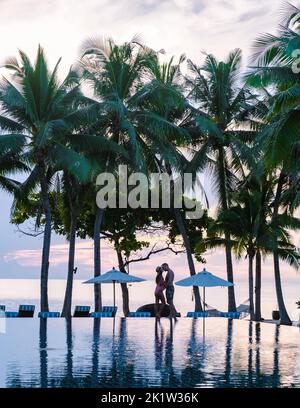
x=164, y=283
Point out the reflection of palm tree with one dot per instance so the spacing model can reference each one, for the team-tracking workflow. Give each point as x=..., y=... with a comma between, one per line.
x=158, y=344
x=193, y=373
x=68, y=380
x=257, y=357
x=276, y=369
x=123, y=364
x=117, y=356
x=169, y=378
x=95, y=355
x=43, y=353
x=228, y=352
x=267, y=380
x=241, y=378
x=122, y=369
x=250, y=354
x=164, y=355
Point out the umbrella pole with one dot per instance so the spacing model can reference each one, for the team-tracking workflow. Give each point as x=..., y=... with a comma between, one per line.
x=204, y=314
x=114, y=283
x=114, y=314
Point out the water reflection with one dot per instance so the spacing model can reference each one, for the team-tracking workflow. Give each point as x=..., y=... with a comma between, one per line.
x=164, y=353
x=228, y=353
x=152, y=352
x=276, y=371
x=250, y=354
x=95, y=352
x=43, y=353
x=192, y=374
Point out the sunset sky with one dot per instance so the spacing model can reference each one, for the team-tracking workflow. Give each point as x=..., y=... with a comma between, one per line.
x=177, y=26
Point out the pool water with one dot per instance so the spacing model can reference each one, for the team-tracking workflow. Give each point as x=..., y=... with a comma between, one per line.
x=141, y=352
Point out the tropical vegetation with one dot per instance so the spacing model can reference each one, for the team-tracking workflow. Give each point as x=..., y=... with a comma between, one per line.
x=239, y=128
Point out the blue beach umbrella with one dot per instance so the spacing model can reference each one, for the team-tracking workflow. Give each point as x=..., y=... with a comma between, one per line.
x=114, y=276
x=204, y=279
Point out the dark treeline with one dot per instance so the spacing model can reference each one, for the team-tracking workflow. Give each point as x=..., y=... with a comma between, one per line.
x=240, y=127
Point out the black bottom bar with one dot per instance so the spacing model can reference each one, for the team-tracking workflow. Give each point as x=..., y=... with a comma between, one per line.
x=132, y=397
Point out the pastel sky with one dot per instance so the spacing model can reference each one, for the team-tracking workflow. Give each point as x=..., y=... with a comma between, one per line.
x=177, y=26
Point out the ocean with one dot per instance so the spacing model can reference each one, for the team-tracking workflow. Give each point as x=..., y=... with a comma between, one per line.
x=17, y=291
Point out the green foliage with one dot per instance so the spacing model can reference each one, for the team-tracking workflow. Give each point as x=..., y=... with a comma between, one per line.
x=241, y=132
x=224, y=106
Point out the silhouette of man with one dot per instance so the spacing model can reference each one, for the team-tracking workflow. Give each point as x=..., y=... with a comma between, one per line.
x=169, y=284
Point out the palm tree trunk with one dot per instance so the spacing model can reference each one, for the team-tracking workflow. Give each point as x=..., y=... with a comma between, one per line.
x=257, y=315
x=251, y=258
x=125, y=293
x=97, y=257
x=231, y=292
x=186, y=242
x=284, y=317
x=46, y=241
x=225, y=205
x=66, y=311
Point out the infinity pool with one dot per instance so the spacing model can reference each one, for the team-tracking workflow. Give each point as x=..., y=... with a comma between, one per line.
x=143, y=353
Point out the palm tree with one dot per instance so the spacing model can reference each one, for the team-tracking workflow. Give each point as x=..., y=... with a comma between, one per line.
x=275, y=61
x=114, y=72
x=249, y=221
x=245, y=221
x=164, y=95
x=222, y=116
x=118, y=75
x=72, y=198
x=40, y=113
x=96, y=149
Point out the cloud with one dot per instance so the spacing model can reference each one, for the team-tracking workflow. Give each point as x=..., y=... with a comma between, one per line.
x=58, y=255
x=178, y=26
x=250, y=15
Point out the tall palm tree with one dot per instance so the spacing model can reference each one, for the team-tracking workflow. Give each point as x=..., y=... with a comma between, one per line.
x=74, y=193
x=274, y=65
x=39, y=112
x=249, y=221
x=72, y=198
x=223, y=116
x=245, y=221
x=164, y=95
x=118, y=75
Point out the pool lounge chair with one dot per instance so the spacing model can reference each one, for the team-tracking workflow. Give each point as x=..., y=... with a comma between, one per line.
x=197, y=314
x=139, y=314
x=110, y=309
x=11, y=314
x=231, y=315
x=242, y=311
x=98, y=315
x=26, y=310
x=82, y=311
x=107, y=311
x=45, y=315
